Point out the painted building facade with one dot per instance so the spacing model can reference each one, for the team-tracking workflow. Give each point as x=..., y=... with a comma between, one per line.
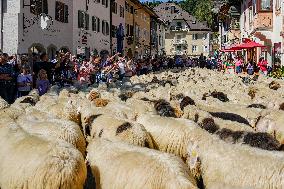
x=82, y=27
x=184, y=34
x=257, y=24
x=51, y=25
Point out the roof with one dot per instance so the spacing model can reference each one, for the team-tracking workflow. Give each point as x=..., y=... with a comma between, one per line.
x=145, y=8
x=165, y=13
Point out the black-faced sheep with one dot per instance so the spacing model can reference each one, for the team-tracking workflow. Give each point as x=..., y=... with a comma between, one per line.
x=217, y=157
x=141, y=167
x=260, y=106
x=274, y=85
x=186, y=101
x=3, y=104
x=114, y=129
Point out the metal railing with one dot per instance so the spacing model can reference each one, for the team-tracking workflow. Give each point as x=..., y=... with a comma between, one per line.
x=180, y=42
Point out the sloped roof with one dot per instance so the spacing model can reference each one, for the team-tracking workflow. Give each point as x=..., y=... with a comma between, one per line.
x=164, y=12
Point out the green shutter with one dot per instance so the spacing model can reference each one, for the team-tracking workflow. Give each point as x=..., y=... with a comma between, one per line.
x=87, y=21
x=80, y=19
x=99, y=25
x=44, y=7
x=66, y=13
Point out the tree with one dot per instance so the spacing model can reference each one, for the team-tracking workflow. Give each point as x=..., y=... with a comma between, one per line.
x=188, y=5
x=201, y=9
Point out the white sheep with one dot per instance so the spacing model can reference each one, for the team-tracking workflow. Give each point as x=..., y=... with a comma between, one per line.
x=232, y=164
x=28, y=161
x=271, y=121
x=43, y=125
x=118, y=165
x=114, y=129
x=3, y=104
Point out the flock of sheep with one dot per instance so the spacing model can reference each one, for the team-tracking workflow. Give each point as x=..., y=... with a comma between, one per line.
x=185, y=129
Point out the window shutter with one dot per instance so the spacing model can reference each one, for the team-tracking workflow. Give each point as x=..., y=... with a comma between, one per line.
x=66, y=14
x=44, y=7
x=103, y=27
x=107, y=29
x=106, y=3
x=80, y=19
x=93, y=21
x=57, y=10
x=99, y=24
x=87, y=21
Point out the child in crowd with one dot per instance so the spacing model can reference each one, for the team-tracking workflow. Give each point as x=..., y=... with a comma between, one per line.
x=250, y=68
x=42, y=83
x=24, y=82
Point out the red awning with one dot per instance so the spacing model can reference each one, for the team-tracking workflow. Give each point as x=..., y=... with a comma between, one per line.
x=230, y=48
x=248, y=45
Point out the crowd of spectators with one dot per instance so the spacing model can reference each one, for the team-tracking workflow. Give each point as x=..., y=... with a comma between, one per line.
x=19, y=77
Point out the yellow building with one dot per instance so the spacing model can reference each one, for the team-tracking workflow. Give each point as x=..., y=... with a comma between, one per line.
x=137, y=29
x=184, y=35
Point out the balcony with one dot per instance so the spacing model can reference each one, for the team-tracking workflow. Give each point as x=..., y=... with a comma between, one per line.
x=176, y=28
x=179, y=42
x=179, y=52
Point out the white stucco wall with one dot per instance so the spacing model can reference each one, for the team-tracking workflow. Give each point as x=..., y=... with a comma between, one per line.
x=57, y=35
x=96, y=40
x=10, y=26
x=278, y=28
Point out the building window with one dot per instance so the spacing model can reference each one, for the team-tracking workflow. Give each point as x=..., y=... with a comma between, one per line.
x=121, y=10
x=114, y=7
x=126, y=7
x=83, y=20
x=39, y=7
x=131, y=10
x=105, y=27
x=265, y=5
x=61, y=12
x=131, y=30
x=194, y=36
x=105, y=3
x=194, y=48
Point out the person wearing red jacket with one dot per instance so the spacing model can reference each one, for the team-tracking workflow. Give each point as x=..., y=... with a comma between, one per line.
x=262, y=64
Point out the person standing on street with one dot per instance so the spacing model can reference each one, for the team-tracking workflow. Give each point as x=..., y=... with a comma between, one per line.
x=7, y=79
x=45, y=65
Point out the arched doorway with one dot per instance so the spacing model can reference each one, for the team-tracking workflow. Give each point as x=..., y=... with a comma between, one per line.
x=36, y=48
x=51, y=51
